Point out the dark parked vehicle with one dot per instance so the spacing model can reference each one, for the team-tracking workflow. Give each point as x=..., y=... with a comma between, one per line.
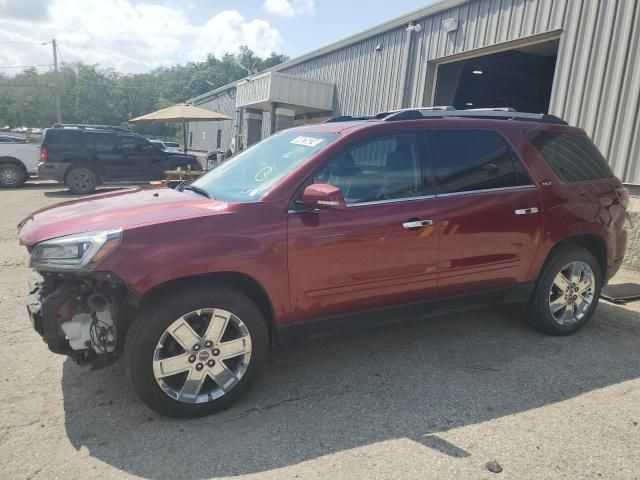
x=83, y=156
x=326, y=227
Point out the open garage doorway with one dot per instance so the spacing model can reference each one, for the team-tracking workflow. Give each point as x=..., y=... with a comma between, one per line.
x=520, y=78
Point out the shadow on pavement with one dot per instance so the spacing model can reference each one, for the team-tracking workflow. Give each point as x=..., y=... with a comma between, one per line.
x=411, y=380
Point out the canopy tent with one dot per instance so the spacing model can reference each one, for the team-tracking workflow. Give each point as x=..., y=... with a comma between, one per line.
x=182, y=113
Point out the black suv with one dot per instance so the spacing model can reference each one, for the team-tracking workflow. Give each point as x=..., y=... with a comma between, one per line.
x=82, y=156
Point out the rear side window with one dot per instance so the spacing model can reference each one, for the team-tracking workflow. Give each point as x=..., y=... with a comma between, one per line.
x=100, y=142
x=63, y=139
x=472, y=160
x=572, y=156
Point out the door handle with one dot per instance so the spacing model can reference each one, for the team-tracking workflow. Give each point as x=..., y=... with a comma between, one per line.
x=526, y=211
x=416, y=224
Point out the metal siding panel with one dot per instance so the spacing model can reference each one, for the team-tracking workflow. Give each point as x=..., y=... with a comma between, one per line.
x=582, y=53
x=625, y=128
x=597, y=62
x=610, y=92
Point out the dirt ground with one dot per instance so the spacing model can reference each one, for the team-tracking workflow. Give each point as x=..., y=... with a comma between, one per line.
x=423, y=400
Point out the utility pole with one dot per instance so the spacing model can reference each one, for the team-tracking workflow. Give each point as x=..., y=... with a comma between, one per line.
x=57, y=75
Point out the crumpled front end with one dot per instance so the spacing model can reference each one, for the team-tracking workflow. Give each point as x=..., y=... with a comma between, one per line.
x=81, y=315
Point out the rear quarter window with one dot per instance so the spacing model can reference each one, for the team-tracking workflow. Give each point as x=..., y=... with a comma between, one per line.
x=571, y=155
x=63, y=139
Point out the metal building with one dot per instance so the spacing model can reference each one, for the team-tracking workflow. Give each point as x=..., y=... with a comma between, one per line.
x=578, y=59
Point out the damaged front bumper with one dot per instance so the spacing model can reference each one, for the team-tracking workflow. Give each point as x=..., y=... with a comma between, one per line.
x=80, y=315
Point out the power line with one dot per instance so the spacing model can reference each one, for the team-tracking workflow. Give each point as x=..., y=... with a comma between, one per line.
x=26, y=43
x=25, y=66
x=80, y=79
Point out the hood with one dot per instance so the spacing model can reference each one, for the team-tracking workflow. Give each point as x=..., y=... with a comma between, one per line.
x=121, y=209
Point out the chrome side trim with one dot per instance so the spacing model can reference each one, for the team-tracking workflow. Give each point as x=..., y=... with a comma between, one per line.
x=393, y=200
x=489, y=190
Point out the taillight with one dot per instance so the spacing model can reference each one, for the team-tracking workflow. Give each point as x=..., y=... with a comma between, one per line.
x=44, y=156
x=623, y=197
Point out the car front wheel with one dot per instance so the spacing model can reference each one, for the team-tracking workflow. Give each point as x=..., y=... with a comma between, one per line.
x=567, y=292
x=196, y=353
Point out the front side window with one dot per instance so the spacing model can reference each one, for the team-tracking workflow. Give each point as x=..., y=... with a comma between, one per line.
x=134, y=144
x=253, y=172
x=472, y=160
x=384, y=168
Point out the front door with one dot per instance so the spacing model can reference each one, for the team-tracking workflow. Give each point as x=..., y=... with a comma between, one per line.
x=138, y=155
x=383, y=249
x=490, y=212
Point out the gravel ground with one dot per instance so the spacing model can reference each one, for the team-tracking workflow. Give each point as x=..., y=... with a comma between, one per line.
x=424, y=400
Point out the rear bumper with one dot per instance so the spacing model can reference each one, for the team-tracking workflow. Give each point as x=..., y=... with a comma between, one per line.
x=53, y=171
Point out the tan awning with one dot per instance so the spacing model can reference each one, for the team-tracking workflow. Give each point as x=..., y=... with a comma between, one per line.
x=182, y=112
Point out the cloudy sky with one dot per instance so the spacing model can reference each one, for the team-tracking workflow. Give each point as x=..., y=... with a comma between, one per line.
x=136, y=36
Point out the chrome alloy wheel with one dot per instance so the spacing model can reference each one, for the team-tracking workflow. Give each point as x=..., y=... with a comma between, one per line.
x=202, y=355
x=571, y=293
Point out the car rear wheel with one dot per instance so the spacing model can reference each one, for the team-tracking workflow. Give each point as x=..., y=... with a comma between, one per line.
x=81, y=180
x=11, y=175
x=196, y=353
x=566, y=293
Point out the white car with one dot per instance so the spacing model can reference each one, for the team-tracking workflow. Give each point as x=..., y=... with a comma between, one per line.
x=18, y=161
x=170, y=147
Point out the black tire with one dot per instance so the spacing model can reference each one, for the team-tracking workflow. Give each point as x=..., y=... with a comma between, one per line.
x=539, y=312
x=81, y=180
x=11, y=175
x=153, y=321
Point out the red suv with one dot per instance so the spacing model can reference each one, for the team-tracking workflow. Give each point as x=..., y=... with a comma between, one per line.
x=326, y=226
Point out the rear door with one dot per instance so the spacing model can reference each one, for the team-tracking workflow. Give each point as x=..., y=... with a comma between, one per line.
x=105, y=150
x=490, y=211
x=369, y=255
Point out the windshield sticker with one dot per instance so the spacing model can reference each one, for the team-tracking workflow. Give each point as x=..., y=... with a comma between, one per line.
x=263, y=174
x=307, y=141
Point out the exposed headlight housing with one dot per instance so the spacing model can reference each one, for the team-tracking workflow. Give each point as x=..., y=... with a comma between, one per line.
x=75, y=252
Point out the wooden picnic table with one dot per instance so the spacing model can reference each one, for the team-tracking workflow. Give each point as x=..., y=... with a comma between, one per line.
x=181, y=175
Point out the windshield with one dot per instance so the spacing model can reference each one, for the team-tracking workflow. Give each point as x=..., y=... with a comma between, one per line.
x=171, y=144
x=249, y=175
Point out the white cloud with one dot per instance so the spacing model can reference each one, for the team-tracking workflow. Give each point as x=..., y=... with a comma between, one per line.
x=131, y=37
x=289, y=8
x=229, y=29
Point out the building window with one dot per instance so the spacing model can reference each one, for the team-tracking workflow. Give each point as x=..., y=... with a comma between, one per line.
x=204, y=135
x=191, y=139
x=219, y=139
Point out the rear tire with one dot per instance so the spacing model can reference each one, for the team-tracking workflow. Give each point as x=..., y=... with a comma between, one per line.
x=159, y=334
x=566, y=293
x=11, y=175
x=81, y=180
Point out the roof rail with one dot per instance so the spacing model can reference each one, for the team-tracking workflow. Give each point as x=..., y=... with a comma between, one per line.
x=349, y=118
x=84, y=126
x=502, y=113
x=384, y=115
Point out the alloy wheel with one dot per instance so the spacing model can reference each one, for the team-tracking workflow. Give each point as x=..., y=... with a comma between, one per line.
x=572, y=293
x=202, y=355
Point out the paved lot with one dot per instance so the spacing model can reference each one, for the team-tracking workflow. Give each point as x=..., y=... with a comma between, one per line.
x=422, y=400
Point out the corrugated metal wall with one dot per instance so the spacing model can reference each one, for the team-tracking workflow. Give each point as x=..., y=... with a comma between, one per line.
x=366, y=80
x=224, y=102
x=597, y=80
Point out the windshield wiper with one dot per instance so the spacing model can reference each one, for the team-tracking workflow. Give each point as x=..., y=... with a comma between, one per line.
x=198, y=190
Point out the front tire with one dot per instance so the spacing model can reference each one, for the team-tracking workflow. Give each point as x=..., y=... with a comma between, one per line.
x=11, y=175
x=566, y=293
x=81, y=180
x=197, y=352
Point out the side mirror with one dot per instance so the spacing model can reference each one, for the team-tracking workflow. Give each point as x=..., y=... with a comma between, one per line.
x=323, y=196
